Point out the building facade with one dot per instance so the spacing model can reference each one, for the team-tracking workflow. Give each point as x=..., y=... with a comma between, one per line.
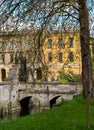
x=59, y=53
x=62, y=54
x=12, y=46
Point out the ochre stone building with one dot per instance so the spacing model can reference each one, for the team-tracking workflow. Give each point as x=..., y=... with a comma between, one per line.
x=62, y=54
x=12, y=45
x=59, y=53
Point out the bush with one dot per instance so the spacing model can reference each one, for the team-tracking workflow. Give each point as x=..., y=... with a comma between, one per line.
x=63, y=80
x=65, y=77
x=38, y=81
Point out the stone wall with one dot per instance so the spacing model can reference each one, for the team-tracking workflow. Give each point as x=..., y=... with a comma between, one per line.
x=41, y=93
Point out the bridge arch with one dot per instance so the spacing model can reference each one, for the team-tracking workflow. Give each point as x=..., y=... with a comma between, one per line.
x=54, y=99
x=25, y=106
x=25, y=102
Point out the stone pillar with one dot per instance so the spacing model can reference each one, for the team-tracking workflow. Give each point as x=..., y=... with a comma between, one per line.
x=48, y=102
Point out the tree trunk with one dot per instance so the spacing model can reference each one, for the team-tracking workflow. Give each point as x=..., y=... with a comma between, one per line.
x=85, y=48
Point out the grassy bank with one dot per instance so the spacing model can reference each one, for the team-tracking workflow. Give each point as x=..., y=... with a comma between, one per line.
x=71, y=115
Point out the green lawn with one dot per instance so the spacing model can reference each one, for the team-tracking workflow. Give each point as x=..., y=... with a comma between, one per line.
x=71, y=115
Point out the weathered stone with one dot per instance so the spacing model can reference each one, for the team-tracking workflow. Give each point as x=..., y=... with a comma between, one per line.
x=34, y=101
x=40, y=93
x=59, y=101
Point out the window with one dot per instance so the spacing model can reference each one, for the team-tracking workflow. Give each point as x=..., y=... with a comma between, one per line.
x=12, y=45
x=60, y=57
x=71, y=57
x=11, y=58
x=60, y=43
x=20, y=44
x=29, y=44
x=16, y=58
x=39, y=58
x=50, y=56
x=3, y=74
x=70, y=42
x=39, y=74
x=3, y=58
x=3, y=46
x=49, y=43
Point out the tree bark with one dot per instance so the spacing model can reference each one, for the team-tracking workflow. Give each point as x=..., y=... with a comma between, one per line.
x=87, y=76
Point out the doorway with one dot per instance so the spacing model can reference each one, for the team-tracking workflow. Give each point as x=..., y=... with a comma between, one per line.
x=3, y=74
x=39, y=74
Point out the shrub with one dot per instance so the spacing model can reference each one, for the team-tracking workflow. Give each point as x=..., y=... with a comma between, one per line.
x=65, y=77
x=63, y=80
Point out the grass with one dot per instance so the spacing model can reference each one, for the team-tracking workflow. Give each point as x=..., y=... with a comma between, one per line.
x=71, y=115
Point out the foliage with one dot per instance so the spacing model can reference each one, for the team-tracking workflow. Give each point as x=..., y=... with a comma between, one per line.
x=65, y=77
x=71, y=115
x=66, y=15
x=38, y=12
x=63, y=80
x=38, y=81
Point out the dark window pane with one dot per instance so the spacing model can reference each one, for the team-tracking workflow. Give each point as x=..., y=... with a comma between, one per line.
x=70, y=42
x=39, y=58
x=11, y=58
x=3, y=58
x=12, y=45
x=39, y=74
x=49, y=43
x=3, y=74
x=50, y=56
x=60, y=42
x=20, y=44
x=60, y=57
x=3, y=46
x=71, y=57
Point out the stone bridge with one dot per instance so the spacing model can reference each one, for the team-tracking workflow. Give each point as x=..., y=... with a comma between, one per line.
x=14, y=96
